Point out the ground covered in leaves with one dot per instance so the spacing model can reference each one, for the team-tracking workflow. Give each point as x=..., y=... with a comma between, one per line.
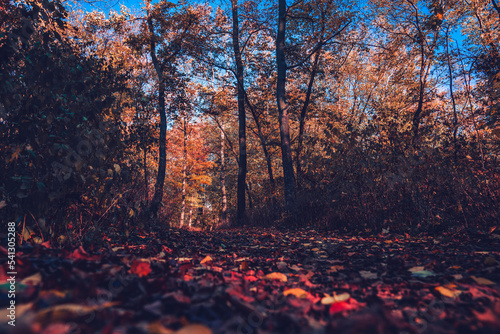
x=259, y=281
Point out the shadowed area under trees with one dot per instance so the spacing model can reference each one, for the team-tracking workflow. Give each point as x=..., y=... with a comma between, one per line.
x=375, y=120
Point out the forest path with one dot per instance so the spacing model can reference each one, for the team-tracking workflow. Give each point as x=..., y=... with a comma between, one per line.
x=261, y=281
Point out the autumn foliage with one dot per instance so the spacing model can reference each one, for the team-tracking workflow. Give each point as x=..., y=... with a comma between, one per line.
x=362, y=118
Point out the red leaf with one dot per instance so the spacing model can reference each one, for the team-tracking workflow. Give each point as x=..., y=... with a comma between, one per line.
x=81, y=254
x=140, y=268
x=167, y=250
x=342, y=306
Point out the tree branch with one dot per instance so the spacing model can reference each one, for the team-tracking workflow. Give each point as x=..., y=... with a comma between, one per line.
x=319, y=46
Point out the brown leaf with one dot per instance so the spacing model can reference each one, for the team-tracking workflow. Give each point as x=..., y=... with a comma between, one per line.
x=482, y=281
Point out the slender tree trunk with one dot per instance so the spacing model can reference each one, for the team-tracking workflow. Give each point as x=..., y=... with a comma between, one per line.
x=421, y=92
x=263, y=143
x=184, y=171
x=495, y=5
x=452, y=95
x=425, y=66
x=223, y=177
x=284, y=119
x=162, y=161
x=302, y=119
x=190, y=217
x=144, y=164
x=250, y=202
x=242, y=170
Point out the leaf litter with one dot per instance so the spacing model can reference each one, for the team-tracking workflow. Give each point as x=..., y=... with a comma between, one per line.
x=260, y=281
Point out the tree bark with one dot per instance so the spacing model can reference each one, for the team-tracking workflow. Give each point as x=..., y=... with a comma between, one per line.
x=184, y=171
x=146, y=185
x=242, y=169
x=162, y=161
x=263, y=143
x=452, y=95
x=302, y=119
x=284, y=119
x=223, y=178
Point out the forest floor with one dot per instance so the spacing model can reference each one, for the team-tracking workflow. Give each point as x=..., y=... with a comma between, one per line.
x=259, y=281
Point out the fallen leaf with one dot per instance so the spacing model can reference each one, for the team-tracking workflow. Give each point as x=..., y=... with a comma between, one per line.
x=140, y=268
x=421, y=273
x=276, y=276
x=206, y=259
x=32, y=280
x=341, y=306
x=447, y=292
x=482, y=281
x=490, y=261
x=334, y=269
x=158, y=328
x=297, y=292
x=68, y=312
x=335, y=298
x=194, y=329
x=368, y=274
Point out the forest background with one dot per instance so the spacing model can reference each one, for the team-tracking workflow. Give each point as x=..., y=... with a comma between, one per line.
x=364, y=115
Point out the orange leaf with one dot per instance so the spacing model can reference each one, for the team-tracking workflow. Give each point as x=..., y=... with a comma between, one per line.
x=206, y=259
x=276, y=276
x=297, y=292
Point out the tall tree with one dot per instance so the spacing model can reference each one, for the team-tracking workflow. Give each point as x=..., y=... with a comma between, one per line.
x=283, y=116
x=159, y=68
x=242, y=169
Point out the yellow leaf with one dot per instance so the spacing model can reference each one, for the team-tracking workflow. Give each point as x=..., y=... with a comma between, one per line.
x=276, y=276
x=206, y=259
x=483, y=281
x=447, y=292
x=297, y=292
x=335, y=298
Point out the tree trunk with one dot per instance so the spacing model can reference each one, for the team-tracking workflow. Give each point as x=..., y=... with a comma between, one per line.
x=263, y=143
x=144, y=164
x=223, y=178
x=184, y=172
x=242, y=170
x=284, y=121
x=190, y=217
x=162, y=162
x=302, y=120
x=452, y=95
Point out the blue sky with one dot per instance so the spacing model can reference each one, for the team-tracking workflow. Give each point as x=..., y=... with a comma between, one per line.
x=106, y=6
